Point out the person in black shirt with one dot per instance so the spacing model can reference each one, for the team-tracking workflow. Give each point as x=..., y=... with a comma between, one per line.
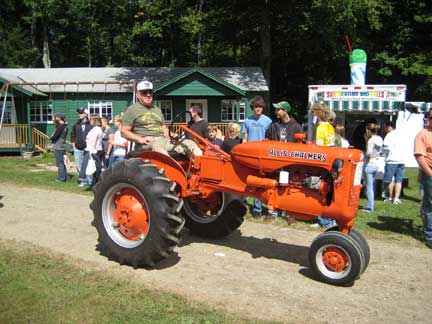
x=58, y=138
x=285, y=127
x=197, y=124
x=78, y=138
x=232, y=138
x=283, y=130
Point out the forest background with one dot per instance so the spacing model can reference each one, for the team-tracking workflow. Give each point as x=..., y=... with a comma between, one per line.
x=296, y=43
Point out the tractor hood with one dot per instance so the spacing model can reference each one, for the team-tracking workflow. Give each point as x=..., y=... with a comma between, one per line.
x=269, y=156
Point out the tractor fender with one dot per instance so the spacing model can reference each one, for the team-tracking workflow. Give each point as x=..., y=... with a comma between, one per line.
x=172, y=169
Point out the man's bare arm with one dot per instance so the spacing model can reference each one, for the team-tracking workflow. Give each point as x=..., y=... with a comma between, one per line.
x=423, y=165
x=126, y=132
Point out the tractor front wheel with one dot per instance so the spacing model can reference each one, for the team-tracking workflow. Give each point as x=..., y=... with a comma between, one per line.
x=335, y=258
x=361, y=241
x=136, y=214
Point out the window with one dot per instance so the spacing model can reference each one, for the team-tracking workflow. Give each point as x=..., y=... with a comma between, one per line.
x=242, y=111
x=41, y=112
x=100, y=108
x=166, y=107
x=228, y=110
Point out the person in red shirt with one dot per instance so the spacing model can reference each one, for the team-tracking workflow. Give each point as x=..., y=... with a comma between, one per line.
x=423, y=155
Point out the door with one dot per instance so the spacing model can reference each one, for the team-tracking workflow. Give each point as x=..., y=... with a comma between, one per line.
x=7, y=135
x=202, y=103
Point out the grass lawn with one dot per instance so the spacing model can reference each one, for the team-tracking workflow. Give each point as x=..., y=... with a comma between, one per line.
x=399, y=222
x=36, y=287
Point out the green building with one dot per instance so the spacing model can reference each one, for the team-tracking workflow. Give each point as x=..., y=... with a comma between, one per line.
x=35, y=95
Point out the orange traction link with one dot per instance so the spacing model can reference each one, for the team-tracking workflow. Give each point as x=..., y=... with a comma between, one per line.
x=131, y=215
x=335, y=259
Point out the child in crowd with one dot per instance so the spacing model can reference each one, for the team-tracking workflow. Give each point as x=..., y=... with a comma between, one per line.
x=119, y=143
x=212, y=136
x=232, y=138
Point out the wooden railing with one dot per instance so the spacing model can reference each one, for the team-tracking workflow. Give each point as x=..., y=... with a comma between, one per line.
x=14, y=135
x=223, y=127
x=40, y=140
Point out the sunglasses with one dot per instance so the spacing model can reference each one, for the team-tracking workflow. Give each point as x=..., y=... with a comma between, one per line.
x=146, y=92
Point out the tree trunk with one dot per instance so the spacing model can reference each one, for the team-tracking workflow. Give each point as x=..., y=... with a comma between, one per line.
x=34, y=38
x=198, y=47
x=89, y=52
x=46, y=56
x=265, y=36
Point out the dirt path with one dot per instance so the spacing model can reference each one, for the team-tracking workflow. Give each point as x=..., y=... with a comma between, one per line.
x=262, y=272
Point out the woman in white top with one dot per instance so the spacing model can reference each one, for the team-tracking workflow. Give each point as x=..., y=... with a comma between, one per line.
x=119, y=143
x=340, y=140
x=374, y=144
x=94, y=147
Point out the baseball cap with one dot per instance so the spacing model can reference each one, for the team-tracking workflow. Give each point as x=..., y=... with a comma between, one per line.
x=59, y=115
x=283, y=105
x=145, y=85
x=82, y=110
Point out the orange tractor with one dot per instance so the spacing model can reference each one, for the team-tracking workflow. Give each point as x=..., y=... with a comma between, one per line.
x=141, y=204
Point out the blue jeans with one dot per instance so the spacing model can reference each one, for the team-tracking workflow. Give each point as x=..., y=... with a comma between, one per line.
x=426, y=207
x=258, y=208
x=114, y=159
x=83, y=178
x=324, y=221
x=370, y=173
x=62, y=173
x=78, y=156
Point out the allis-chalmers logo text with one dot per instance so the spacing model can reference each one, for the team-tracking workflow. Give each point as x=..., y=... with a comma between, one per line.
x=299, y=155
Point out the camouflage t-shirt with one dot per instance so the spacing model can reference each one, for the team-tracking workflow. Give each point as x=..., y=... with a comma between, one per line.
x=143, y=120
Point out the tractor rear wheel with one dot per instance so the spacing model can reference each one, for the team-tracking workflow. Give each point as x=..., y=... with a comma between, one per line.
x=216, y=217
x=136, y=214
x=335, y=258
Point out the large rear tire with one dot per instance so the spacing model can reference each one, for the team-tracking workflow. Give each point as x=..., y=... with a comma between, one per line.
x=136, y=214
x=335, y=258
x=225, y=216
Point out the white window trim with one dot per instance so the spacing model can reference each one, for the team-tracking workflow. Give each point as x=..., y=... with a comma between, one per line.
x=99, y=107
x=239, y=105
x=49, y=105
x=158, y=103
x=234, y=104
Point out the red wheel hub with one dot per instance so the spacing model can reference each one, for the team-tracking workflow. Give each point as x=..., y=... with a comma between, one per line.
x=335, y=259
x=130, y=213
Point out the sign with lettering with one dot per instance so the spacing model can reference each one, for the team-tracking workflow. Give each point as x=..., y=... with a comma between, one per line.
x=299, y=155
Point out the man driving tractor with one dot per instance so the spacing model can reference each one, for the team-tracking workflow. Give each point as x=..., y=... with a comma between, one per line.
x=143, y=124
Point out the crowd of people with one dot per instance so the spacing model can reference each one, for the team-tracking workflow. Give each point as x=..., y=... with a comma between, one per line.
x=97, y=146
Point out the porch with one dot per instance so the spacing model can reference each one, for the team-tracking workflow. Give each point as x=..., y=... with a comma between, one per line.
x=18, y=137
x=223, y=127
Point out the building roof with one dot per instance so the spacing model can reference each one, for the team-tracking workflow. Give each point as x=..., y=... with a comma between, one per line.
x=26, y=89
x=248, y=79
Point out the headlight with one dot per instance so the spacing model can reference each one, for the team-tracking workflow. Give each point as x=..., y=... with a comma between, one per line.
x=358, y=174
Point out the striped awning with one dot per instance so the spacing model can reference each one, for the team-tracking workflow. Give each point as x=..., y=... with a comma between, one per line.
x=374, y=106
x=367, y=105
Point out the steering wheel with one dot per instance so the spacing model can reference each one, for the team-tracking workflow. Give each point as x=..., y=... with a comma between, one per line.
x=171, y=126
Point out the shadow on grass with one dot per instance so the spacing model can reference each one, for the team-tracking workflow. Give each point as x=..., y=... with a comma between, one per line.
x=398, y=225
x=414, y=199
x=256, y=247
